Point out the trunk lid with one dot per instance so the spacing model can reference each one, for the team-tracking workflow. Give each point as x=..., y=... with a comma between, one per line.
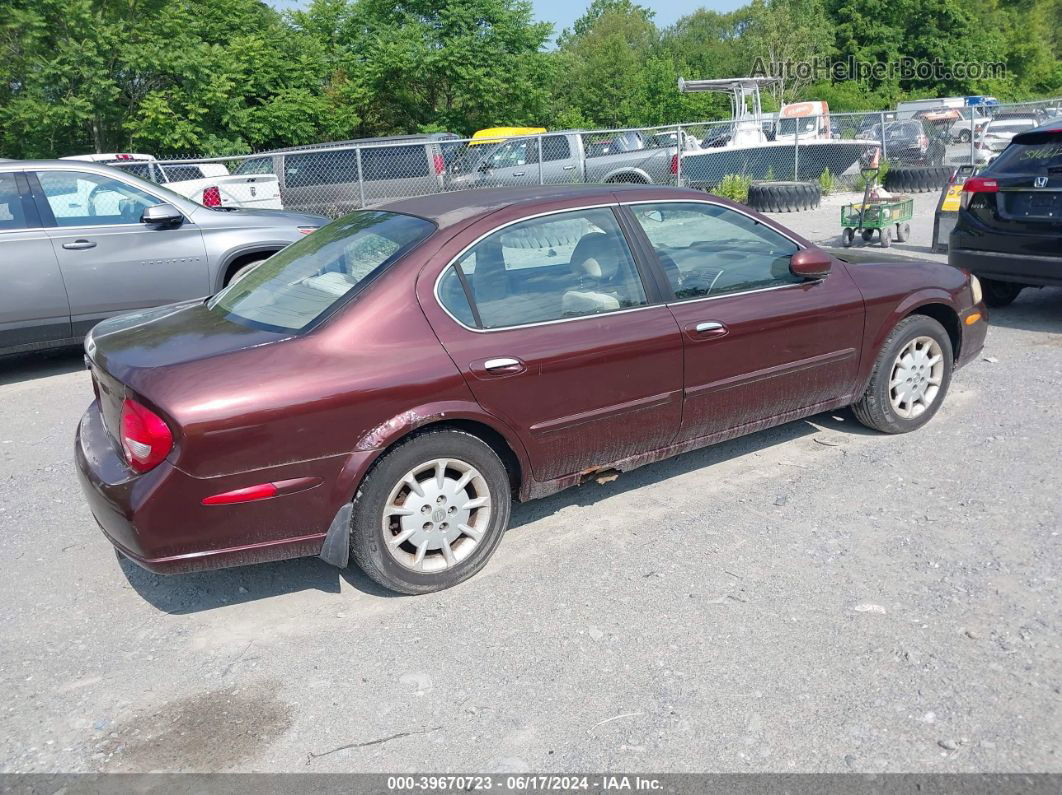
x=122, y=351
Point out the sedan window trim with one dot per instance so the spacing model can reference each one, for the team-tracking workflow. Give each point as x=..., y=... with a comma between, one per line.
x=648, y=288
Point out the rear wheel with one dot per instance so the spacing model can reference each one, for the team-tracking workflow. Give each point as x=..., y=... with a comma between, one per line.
x=903, y=232
x=868, y=235
x=910, y=377
x=846, y=236
x=998, y=293
x=431, y=512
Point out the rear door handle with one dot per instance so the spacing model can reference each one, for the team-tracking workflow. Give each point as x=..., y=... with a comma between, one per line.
x=78, y=245
x=708, y=325
x=519, y=173
x=569, y=168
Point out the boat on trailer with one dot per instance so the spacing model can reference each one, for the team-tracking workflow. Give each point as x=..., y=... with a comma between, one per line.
x=762, y=145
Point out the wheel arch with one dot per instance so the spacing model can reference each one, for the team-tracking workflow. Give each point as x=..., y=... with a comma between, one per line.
x=238, y=259
x=628, y=175
x=936, y=304
x=948, y=318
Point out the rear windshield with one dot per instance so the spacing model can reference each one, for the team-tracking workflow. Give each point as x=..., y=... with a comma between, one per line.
x=1032, y=157
x=307, y=280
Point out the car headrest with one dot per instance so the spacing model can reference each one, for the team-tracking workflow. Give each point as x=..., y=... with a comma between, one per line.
x=596, y=256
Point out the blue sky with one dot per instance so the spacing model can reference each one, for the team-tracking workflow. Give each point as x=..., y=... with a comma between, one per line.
x=562, y=13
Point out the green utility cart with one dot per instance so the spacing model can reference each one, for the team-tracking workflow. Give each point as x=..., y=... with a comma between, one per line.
x=881, y=214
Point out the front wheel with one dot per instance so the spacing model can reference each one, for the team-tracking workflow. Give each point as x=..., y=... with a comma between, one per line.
x=431, y=512
x=998, y=293
x=910, y=377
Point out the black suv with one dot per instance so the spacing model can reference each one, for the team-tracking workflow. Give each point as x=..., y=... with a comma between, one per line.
x=1009, y=229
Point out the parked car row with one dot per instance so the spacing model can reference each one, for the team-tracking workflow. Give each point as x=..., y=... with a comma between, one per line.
x=336, y=178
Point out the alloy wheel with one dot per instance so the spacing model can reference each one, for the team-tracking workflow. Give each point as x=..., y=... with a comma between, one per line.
x=436, y=515
x=917, y=374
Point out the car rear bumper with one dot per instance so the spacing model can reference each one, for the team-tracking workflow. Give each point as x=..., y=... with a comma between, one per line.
x=1021, y=268
x=157, y=519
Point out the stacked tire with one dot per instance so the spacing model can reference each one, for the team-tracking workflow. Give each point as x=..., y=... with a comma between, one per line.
x=917, y=180
x=783, y=197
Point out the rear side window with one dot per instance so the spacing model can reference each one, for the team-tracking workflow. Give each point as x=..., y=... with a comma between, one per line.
x=556, y=267
x=394, y=162
x=556, y=147
x=309, y=279
x=320, y=168
x=12, y=207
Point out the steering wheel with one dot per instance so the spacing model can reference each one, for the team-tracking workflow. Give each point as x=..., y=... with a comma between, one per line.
x=92, y=199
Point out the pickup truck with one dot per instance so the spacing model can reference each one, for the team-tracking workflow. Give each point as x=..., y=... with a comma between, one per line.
x=210, y=184
x=569, y=156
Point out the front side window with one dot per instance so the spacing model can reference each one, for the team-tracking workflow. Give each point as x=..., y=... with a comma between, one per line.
x=560, y=266
x=556, y=147
x=707, y=249
x=78, y=198
x=519, y=152
x=308, y=279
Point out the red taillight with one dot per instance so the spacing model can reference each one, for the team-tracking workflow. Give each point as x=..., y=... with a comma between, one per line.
x=146, y=439
x=440, y=163
x=211, y=197
x=977, y=185
x=674, y=164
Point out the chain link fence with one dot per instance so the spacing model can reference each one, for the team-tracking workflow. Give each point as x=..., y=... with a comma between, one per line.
x=832, y=149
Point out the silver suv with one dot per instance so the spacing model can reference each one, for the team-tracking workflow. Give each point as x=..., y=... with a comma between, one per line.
x=80, y=242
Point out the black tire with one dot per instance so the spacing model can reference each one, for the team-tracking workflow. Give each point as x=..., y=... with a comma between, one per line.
x=846, y=236
x=917, y=179
x=874, y=409
x=886, y=236
x=903, y=232
x=868, y=235
x=998, y=293
x=783, y=197
x=241, y=271
x=367, y=533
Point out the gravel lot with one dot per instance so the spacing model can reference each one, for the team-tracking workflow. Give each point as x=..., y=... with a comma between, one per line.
x=811, y=598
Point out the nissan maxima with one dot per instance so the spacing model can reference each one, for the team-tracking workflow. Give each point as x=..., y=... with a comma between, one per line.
x=387, y=387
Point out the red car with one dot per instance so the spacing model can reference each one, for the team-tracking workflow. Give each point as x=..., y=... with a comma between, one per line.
x=385, y=387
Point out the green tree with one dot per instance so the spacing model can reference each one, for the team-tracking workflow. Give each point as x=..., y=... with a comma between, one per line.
x=452, y=65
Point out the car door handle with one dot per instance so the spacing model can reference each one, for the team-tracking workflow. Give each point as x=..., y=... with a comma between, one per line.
x=78, y=245
x=519, y=173
x=706, y=329
x=503, y=364
x=569, y=168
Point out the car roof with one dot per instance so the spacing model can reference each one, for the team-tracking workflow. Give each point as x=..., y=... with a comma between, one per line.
x=455, y=207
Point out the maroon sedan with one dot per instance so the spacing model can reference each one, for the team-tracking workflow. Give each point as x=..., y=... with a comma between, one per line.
x=387, y=386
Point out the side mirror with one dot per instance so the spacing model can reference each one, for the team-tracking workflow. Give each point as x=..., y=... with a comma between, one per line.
x=161, y=214
x=810, y=263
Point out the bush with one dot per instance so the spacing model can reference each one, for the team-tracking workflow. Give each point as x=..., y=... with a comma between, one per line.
x=734, y=187
x=826, y=182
